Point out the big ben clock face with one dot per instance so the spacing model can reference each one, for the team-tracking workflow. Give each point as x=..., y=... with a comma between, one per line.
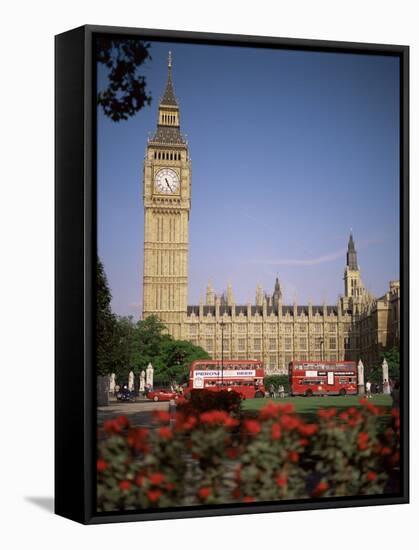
x=166, y=181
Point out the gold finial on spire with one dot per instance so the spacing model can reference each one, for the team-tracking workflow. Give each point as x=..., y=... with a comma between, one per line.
x=170, y=59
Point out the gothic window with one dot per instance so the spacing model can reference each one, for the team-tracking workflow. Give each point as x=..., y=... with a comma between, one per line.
x=272, y=361
x=303, y=328
x=332, y=327
x=226, y=344
x=209, y=345
x=272, y=343
x=287, y=329
x=332, y=343
x=303, y=343
x=288, y=343
x=257, y=344
x=241, y=344
x=193, y=329
x=256, y=329
x=317, y=328
x=171, y=156
x=303, y=356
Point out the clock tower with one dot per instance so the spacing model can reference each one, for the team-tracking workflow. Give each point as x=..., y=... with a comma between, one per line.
x=167, y=203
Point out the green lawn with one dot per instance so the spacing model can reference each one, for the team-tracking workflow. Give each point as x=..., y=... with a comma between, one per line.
x=308, y=406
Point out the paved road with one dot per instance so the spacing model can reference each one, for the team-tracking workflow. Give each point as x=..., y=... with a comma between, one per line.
x=139, y=413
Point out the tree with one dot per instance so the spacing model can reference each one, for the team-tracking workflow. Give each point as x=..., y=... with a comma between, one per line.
x=175, y=359
x=375, y=372
x=125, y=93
x=147, y=341
x=105, y=323
x=393, y=360
x=123, y=343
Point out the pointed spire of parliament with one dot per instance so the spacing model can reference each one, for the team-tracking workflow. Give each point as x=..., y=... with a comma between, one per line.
x=351, y=256
x=169, y=97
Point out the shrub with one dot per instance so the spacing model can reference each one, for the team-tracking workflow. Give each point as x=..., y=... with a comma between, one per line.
x=214, y=457
x=206, y=400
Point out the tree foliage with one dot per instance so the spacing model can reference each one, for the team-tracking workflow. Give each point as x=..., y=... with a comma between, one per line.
x=393, y=360
x=105, y=323
x=375, y=372
x=175, y=358
x=125, y=93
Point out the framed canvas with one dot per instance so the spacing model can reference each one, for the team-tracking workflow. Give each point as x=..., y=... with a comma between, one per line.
x=232, y=292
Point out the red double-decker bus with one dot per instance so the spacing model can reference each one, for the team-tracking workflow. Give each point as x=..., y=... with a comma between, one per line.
x=243, y=376
x=323, y=378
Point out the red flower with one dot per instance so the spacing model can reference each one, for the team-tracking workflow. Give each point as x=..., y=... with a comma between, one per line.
x=327, y=413
x=371, y=476
x=165, y=432
x=252, y=426
x=385, y=451
x=162, y=416
x=270, y=411
x=125, y=485
x=183, y=423
x=122, y=421
x=221, y=418
x=139, y=480
x=248, y=499
x=308, y=429
x=304, y=442
x=153, y=495
x=394, y=459
x=156, y=479
x=289, y=422
x=137, y=437
x=232, y=452
x=276, y=431
x=293, y=456
x=204, y=493
x=320, y=489
x=281, y=480
x=111, y=427
x=101, y=465
x=362, y=441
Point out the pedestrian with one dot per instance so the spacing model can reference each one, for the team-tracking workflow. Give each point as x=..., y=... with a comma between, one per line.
x=281, y=391
x=368, y=389
x=272, y=391
x=386, y=387
x=395, y=395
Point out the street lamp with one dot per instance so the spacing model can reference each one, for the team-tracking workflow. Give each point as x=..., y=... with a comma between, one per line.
x=222, y=352
x=322, y=348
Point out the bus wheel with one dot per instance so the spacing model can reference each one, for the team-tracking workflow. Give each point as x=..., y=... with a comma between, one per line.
x=258, y=394
x=309, y=393
x=342, y=392
x=155, y=398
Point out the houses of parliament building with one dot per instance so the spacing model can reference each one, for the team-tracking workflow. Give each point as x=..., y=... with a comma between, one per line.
x=357, y=326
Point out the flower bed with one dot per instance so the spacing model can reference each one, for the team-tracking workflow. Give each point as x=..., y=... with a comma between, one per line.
x=214, y=457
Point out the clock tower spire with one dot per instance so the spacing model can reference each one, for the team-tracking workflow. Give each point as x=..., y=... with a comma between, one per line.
x=166, y=196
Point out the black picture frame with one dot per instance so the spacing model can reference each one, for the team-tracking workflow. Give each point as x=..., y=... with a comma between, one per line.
x=75, y=245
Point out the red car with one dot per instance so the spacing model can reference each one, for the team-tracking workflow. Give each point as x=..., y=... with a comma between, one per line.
x=162, y=395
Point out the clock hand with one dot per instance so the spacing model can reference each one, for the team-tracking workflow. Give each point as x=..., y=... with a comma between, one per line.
x=167, y=183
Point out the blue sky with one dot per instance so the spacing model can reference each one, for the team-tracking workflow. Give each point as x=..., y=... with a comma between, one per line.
x=290, y=150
